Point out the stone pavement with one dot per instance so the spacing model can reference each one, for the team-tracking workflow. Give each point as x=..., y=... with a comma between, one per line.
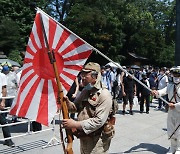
x=138, y=134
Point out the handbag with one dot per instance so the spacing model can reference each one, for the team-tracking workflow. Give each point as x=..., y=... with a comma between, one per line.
x=135, y=101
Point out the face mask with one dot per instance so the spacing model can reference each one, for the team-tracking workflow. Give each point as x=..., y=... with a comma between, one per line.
x=104, y=73
x=161, y=73
x=176, y=80
x=88, y=86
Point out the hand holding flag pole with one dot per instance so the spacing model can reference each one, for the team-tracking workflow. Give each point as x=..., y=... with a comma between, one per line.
x=60, y=95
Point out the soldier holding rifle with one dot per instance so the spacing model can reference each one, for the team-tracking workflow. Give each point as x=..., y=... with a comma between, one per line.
x=173, y=120
x=94, y=109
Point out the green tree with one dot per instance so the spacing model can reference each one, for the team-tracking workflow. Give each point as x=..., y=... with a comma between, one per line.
x=15, y=56
x=120, y=26
x=146, y=27
x=97, y=23
x=59, y=9
x=16, y=23
x=154, y=31
x=9, y=35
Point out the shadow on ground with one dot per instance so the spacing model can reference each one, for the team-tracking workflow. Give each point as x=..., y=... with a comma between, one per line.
x=24, y=147
x=155, y=148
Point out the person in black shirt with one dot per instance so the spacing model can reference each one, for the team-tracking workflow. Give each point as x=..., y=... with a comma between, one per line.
x=128, y=90
x=145, y=94
x=73, y=92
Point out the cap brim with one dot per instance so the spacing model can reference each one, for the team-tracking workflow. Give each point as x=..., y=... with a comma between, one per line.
x=86, y=70
x=176, y=73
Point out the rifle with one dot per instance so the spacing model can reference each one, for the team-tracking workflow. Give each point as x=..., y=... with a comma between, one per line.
x=60, y=100
x=60, y=96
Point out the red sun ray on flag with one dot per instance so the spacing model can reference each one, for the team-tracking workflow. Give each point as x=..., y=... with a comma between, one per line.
x=37, y=93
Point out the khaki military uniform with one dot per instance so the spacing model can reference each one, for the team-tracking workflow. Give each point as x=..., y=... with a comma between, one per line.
x=93, y=111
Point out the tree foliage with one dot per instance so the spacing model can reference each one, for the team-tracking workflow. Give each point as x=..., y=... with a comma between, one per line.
x=121, y=26
x=9, y=33
x=16, y=23
x=115, y=27
x=99, y=25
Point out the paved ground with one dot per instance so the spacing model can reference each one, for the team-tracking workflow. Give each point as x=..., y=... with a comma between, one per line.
x=138, y=134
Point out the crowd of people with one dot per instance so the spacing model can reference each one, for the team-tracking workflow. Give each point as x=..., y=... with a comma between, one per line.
x=123, y=87
x=9, y=81
x=92, y=95
x=9, y=85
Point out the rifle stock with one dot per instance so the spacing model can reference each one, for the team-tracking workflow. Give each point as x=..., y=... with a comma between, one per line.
x=69, y=134
x=64, y=107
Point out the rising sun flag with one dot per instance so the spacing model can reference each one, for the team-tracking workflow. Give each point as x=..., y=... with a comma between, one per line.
x=37, y=93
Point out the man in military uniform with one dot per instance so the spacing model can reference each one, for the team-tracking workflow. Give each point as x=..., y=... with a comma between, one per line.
x=173, y=120
x=94, y=108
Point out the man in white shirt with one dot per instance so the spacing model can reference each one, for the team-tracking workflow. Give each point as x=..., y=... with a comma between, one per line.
x=3, y=91
x=107, y=77
x=162, y=83
x=12, y=84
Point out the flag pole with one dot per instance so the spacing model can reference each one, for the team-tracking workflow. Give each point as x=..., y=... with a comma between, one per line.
x=60, y=96
x=103, y=55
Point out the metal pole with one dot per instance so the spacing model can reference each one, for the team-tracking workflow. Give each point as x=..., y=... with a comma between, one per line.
x=177, y=45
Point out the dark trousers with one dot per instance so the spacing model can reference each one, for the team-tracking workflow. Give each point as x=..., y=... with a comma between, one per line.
x=114, y=91
x=5, y=130
x=8, y=102
x=129, y=97
x=147, y=98
x=36, y=126
x=161, y=102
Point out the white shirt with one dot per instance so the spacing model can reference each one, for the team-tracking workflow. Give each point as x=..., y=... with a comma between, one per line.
x=162, y=81
x=118, y=79
x=170, y=91
x=19, y=76
x=11, y=84
x=3, y=82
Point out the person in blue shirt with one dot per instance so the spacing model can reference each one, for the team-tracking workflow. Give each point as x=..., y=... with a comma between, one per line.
x=107, y=78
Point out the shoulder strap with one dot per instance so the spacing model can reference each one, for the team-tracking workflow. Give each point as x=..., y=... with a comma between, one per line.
x=161, y=78
x=174, y=94
x=109, y=76
x=108, y=80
